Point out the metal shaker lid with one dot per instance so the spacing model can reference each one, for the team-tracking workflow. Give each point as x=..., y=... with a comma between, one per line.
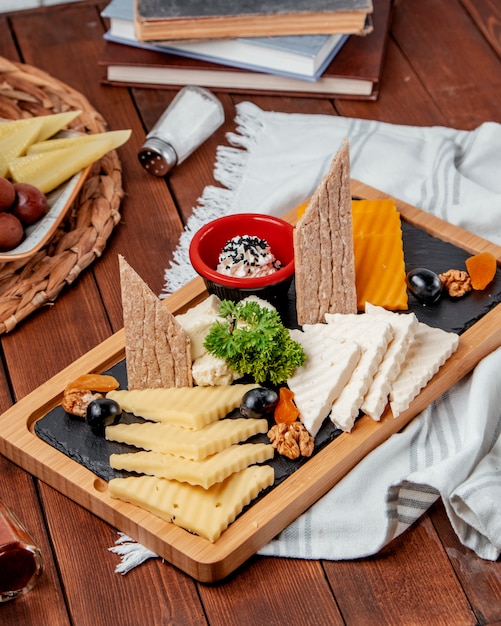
x=157, y=156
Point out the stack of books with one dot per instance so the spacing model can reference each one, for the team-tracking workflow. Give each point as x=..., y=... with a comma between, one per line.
x=299, y=47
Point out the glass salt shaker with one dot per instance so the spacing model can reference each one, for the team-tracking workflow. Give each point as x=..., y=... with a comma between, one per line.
x=190, y=119
x=21, y=563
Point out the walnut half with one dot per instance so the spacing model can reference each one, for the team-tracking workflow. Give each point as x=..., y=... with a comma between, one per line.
x=75, y=401
x=456, y=282
x=291, y=440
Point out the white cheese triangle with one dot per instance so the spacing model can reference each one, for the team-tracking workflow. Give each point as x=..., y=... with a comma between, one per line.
x=316, y=384
x=429, y=351
x=404, y=327
x=373, y=335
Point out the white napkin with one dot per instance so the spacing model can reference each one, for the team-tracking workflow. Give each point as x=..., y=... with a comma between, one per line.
x=453, y=448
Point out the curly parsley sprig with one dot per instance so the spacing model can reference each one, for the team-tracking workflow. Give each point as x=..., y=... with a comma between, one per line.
x=252, y=340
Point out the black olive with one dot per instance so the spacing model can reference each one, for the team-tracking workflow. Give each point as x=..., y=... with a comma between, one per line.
x=102, y=412
x=425, y=285
x=258, y=402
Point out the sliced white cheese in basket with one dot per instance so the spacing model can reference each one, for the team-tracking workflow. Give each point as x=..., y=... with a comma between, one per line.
x=328, y=367
x=206, y=512
x=404, y=327
x=429, y=351
x=373, y=335
x=190, y=407
x=213, y=469
x=191, y=444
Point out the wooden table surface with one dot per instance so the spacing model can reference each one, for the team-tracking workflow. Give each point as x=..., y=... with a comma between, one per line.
x=443, y=67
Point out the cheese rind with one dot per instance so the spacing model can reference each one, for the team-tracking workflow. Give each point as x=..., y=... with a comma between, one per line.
x=190, y=407
x=192, y=444
x=429, y=351
x=206, y=472
x=328, y=367
x=206, y=512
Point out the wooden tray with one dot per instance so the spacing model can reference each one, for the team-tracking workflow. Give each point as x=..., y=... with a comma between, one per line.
x=196, y=556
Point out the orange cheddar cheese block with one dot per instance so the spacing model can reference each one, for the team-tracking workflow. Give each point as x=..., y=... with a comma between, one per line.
x=379, y=255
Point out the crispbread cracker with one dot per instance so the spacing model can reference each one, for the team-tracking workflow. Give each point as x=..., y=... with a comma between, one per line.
x=323, y=247
x=157, y=349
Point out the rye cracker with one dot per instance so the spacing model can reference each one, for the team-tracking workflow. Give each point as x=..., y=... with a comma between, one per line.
x=157, y=348
x=323, y=247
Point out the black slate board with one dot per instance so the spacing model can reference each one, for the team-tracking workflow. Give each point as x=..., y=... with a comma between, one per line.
x=73, y=437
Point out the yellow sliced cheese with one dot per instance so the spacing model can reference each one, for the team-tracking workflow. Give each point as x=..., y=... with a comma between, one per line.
x=379, y=254
x=45, y=125
x=206, y=512
x=60, y=143
x=191, y=444
x=190, y=407
x=15, y=144
x=48, y=170
x=213, y=469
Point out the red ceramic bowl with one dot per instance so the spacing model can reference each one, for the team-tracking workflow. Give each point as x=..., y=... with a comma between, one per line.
x=208, y=242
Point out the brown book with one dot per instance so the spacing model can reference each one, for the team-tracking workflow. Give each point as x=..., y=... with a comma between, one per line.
x=198, y=19
x=355, y=72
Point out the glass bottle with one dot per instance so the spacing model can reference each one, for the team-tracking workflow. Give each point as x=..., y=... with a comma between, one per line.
x=190, y=119
x=21, y=561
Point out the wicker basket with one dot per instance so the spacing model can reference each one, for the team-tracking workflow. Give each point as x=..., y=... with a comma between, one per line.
x=27, y=285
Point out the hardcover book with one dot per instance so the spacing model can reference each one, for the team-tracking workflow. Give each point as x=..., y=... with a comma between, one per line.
x=298, y=56
x=184, y=19
x=355, y=71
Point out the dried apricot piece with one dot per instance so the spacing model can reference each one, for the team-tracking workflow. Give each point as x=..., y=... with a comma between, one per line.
x=286, y=412
x=482, y=269
x=93, y=382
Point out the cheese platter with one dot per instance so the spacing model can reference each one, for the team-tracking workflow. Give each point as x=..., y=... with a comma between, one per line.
x=260, y=522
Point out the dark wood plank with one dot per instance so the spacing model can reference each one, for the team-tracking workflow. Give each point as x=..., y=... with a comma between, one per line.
x=155, y=593
x=47, y=598
x=480, y=579
x=464, y=80
x=274, y=592
x=53, y=337
x=402, y=100
x=487, y=16
x=412, y=575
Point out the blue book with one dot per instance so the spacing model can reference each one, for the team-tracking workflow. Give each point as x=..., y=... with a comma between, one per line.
x=304, y=57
